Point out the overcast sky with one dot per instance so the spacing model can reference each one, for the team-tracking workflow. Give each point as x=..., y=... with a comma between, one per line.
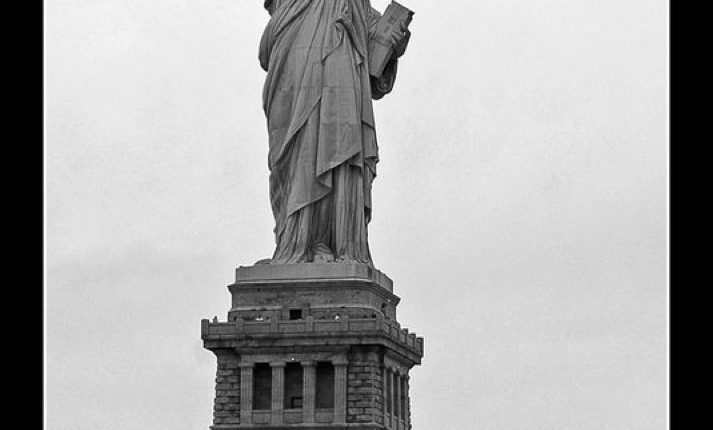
x=520, y=207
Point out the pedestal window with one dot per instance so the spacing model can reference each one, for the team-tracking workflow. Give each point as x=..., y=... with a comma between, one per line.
x=325, y=386
x=262, y=387
x=293, y=386
x=396, y=400
x=389, y=391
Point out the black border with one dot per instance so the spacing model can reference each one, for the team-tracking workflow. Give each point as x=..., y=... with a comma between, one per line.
x=675, y=284
x=23, y=198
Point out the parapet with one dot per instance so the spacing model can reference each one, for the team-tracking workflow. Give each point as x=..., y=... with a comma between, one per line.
x=299, y=332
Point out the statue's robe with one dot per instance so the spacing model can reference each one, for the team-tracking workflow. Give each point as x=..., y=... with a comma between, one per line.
x=318, y=101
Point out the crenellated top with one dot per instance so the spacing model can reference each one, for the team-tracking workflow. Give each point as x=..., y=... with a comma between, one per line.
x=309, y=326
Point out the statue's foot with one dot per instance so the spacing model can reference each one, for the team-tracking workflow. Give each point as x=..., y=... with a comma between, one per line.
x=350, y=260
x=264, y=262
x=322, y=254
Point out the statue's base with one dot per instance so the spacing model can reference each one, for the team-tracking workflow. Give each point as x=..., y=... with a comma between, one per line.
x=318, y=330
x=328, y=290
x=305, y=427
x=310, y=272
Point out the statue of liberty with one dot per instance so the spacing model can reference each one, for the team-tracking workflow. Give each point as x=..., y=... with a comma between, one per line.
x=322, y=142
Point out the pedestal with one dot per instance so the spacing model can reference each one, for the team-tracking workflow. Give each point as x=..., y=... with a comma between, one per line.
x=319, y=341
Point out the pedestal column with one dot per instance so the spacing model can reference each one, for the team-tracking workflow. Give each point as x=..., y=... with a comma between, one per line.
x=407, y=401
x=278, y=392
x=340, y=391
x=309, y=381
x=246, y=393
x=397, y=399
x=385, y=395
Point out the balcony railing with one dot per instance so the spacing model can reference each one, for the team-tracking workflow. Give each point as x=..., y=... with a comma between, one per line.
x=226, y=330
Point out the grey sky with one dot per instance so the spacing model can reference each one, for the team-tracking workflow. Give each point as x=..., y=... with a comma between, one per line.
x=520, y=207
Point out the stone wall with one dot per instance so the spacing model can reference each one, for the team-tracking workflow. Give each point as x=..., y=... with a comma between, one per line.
x=364, y=388
x=226, y=407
